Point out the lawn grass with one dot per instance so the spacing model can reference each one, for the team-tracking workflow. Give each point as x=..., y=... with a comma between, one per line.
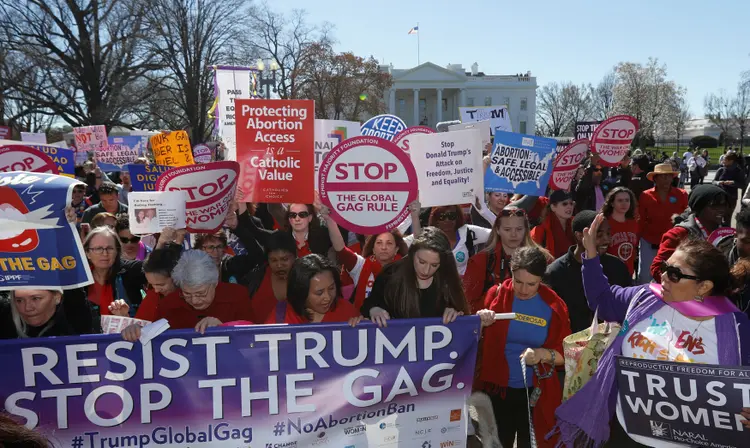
x=713, y=153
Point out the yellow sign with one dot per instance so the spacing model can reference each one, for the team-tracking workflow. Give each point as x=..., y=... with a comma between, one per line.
x=172, y=149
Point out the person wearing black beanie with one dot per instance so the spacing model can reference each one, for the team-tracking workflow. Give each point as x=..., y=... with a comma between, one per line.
x=707, y=205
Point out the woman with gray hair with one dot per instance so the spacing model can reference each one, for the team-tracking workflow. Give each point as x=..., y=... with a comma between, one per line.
x=32, y=313
x=201, y=301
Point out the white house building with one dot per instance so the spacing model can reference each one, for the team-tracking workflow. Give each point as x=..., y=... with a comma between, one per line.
x=701, y=126
x=429, y=94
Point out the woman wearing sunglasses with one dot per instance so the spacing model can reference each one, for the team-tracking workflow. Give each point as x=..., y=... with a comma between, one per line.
x=132, y=246
x=555, y=233
x=686, y=318
x=302, y=223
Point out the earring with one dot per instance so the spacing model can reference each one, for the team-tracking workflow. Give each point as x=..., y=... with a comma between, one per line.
x=699, y=298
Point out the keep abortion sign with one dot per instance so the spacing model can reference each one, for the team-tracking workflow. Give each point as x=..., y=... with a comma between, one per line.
x=384, y=126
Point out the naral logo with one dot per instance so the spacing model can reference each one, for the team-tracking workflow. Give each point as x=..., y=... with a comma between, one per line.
x=456, y=415
x=659, y=429
x=282, y=445
x=355, y=430
x=426, y=419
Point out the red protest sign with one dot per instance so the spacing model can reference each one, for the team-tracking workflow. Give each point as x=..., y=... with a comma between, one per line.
x=612, y=139
x=402, y=138
x=24, y=158
x=368, y=184
x=566, y=164
x=275, y=149
x=210, y=188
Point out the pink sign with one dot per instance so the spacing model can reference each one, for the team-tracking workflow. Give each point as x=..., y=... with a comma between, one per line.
x=24, y=158
x=566, y=164
x=4, y=132
x=201, y=153
x=612, y=139
x=210, y=188
x=721, y=234
x=368, y=184
x=402, y=138
x=91, y=138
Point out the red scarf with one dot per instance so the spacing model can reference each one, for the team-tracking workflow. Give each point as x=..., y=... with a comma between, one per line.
x=493, y=370
x=561, y=239
x=371, y=267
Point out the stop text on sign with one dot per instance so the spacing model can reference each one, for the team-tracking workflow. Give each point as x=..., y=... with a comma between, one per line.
x=612, y=139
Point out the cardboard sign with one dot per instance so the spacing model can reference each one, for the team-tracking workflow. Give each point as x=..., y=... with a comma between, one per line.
x=384, y=126
x=39, y=248
x=25, y=158
x=143, y=177
x=328, y=134
x=172, y=149
x=210, y=188
x=613, y=137
x=4, y=132
x=520, y=164
x=585, y=129
x=34, y=137
x=121, y=150
x=448, y=166
x=484, y=132
x=567, y=163
x=62, y=157
x=498, y=116
x=275, y=149
x=368, y=184
x=402, y=139
x=201, y=153
x=151, y=212
x=91, y=138
x=684, y=403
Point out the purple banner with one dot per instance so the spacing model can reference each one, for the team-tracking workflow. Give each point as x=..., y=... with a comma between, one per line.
x=279, y=386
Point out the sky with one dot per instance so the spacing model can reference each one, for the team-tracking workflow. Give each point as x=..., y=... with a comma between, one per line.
x=704, y=44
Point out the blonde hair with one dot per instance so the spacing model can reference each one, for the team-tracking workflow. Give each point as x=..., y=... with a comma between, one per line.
x=20, y=324
x=527, y=241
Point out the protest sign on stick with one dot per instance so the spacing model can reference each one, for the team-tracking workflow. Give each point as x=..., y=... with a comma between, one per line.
x=25, y=158
x=612, y=139
x=498, y=116
x=567, y=163
x=143, y=177
x=172, y=149
x=153, y=211
x=520, y=164
x=91, y=138
x=328, y=134
x=384, y=126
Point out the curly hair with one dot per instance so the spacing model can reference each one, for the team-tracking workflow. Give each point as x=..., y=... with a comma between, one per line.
x=609, y=203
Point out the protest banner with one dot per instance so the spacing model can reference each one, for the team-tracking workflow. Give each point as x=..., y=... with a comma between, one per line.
x=567, y=163
x=62, y=157
x=210, y=188
x=202, y=153
x=612, y=139
x=34, y=137
x=448, y=166
x=326, y=385
x=691, y=404
x=122, y=150
x=39, y=248
x=520, y=164
x=585, y=129
x=275, y=149
x=172, y=149
x=115, y=324
x=484, y=132
x=329, y=133
x=151, y=212
x=5, y=132
x=91, y=138
x=403, y=138
x=368, y=184
x=384, y=126
x=498, y=116
x=230, y=84
x=143, y=177
x=25, y=158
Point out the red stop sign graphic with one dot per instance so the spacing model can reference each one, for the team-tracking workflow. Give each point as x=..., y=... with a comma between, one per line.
x=24, y=158
x=612, y=139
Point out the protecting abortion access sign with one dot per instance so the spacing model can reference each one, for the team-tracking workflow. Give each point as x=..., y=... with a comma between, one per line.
x=520, y=164
x=613, y=137
x=368, y=184
x=384, y=126
x=567, y=163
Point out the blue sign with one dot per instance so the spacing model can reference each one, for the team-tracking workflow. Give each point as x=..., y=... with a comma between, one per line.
x=109, y=167
x=383, y=126
x=143, y=177
x=39, y=248
x=132, y=142
x=64, y=158
x=520, y=164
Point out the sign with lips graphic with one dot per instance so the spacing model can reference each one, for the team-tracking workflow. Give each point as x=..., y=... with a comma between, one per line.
x=39, y=248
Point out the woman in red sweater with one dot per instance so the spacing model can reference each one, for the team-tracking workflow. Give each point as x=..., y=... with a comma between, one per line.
x=620, y=209
x=555, y=233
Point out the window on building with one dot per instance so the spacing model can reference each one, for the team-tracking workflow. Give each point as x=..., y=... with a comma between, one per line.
x=524, y=103
x=470, y=102
x=488, y=101
x=522, y=127
x=506, y=102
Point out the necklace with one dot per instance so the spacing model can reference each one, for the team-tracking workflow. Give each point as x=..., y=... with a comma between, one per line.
x=671, y=335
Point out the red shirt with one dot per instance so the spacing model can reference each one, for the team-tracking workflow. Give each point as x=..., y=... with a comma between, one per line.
x=231, y=302
x=263, y=301
x=656, y=216
x=147, y=310
x=342, y=313
x=624, y=241
x=101, y=295
x=304, y=250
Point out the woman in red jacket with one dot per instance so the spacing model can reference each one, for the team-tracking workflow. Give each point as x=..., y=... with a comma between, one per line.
x=620, y=209
x=536, y=335
x=555, y=233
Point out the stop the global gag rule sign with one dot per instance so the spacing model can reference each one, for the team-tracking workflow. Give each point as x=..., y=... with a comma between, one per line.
x=275, y=149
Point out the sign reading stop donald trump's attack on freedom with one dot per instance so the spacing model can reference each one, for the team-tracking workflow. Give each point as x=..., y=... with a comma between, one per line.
x=368, y=184
x=210, y=188
x=403, y=138
x=275, y=149
x=520, y=164
x=25, y=158
x=612, y=139
x=567, y=163
x=384, y=126
x=39, y=248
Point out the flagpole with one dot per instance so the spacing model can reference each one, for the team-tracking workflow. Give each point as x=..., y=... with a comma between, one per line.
x=418, y=30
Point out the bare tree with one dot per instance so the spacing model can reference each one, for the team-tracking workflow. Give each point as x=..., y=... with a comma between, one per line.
x=578, y=104
x=83, y=57
x=719, y=111
x=552, y=114
x=740, y=110
x=603, y=97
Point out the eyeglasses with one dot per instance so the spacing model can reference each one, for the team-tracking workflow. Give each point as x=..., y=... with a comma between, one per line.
x=195, y=295
x=512, y=212
x=102, y=250
x=674, y=274
x=303, y=215
x=212, y=248
x=133, y=239
x=447, y=216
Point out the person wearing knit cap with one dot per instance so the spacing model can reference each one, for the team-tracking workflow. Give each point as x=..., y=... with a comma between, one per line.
x=707, y=207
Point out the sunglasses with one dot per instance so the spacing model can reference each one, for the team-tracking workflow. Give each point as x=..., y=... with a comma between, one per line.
x=447, y=216
x=597, y=170
x=674, y=274
x=512, y=212
x=133, y=240
x=303, y=215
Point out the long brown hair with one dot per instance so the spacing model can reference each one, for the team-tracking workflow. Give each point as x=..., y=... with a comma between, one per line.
x=609, y=203
x=402, y=290
x=403, y=248
x=495, y=236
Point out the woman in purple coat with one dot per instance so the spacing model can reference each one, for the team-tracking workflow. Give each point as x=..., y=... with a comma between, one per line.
x=687, y=318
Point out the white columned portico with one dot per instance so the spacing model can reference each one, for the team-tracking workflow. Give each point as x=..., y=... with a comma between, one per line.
x=416, y=107
x=463, y=98
x=392, y=101
x=439, y=115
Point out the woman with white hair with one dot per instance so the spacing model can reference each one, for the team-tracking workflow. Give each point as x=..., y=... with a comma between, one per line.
x=32, y=313
x=202, y=300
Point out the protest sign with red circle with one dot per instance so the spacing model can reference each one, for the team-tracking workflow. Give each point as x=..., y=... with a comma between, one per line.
x=210, y=188
x=612, y=139
x=24, y=158
x=201, y=153
x=566, y=164
x=402, y=138
x=368, y=184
